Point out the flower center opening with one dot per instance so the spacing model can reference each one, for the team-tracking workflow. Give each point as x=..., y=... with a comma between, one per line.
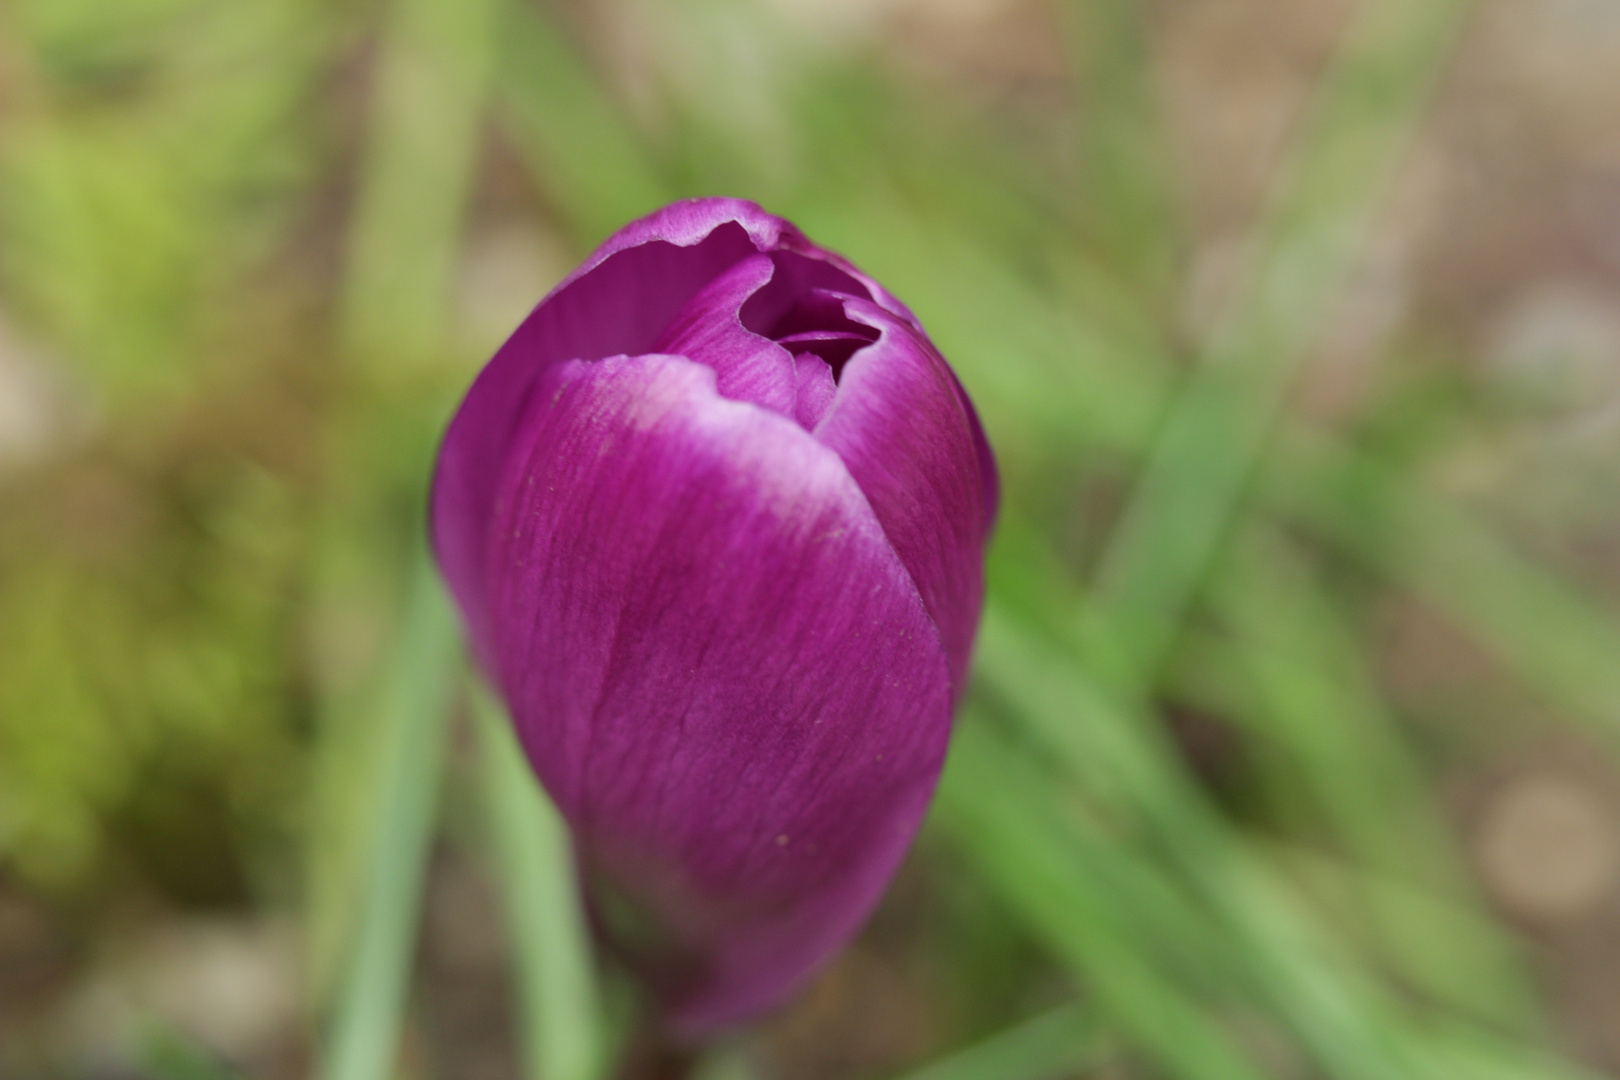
x=802, y=309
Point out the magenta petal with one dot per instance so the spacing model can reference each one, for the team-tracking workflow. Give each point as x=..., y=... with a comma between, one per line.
x=689, y=222
x=816, y=389
x=708, y=329
x=717, y=664
x=619, y=301
x=910, y=438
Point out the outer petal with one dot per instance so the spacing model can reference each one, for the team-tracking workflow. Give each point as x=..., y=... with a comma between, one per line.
x=720, y=670
x=619, y=301
x=908, y=435
x=690, y=221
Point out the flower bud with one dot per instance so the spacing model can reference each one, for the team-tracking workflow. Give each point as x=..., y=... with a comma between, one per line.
x=715, y=518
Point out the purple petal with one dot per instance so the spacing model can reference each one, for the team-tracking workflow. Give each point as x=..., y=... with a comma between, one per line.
x=686, y=223
x=816, y=389
x=796, y=242
x=800, y=279
x=619, y=301
x=718, y=666
x=709, y=329
x=909, y=437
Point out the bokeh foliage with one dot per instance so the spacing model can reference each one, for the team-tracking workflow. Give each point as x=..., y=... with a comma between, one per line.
x=236, y=231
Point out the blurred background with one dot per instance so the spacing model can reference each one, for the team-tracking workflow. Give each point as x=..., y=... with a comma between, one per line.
x=1292, y=750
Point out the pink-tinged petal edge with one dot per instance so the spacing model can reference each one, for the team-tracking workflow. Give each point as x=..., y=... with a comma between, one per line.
x=719, y=668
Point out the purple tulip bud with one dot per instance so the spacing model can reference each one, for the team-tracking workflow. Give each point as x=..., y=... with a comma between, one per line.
x=715, y=516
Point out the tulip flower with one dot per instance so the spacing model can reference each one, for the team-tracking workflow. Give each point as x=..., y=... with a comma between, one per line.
x=715, y=518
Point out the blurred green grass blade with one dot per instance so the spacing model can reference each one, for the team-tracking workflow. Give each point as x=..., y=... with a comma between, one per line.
x=1351, y=1026
x=1444, y=948
x=1482, y=1056
x=1126, y=199
x=360, y=571
x=1329, y=1007
x=1315, y=699
x=1196, y=471
x=422, y=142
x=558, y=1018
x=1053, y=1045
x=572, y=136
x=1027, y=857
x=1313, y=696
x=1153, y=917
x=420, y=680
x=1561, y=644
x=404, y=234
x=164, y=1054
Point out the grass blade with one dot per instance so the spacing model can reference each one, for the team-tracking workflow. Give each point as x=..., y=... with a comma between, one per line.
x=558, y=1019
x=1027, y=856
x=424, y=137
x=569, y=132
x=1312, y=696
x=427, y=104
x=419, y=686
x=1127, y=203
x=1052, y=1045
x=1556, y=641
x=1196, y=471
x=1304, y=980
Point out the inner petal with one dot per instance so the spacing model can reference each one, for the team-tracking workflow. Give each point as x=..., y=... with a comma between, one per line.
x=835, y=347
x=774, y=330
x=797, y=277
x=803, y=308
x=748, y=366
x=816, y=389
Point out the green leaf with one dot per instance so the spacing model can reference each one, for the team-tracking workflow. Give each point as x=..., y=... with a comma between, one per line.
x=1313, y=697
